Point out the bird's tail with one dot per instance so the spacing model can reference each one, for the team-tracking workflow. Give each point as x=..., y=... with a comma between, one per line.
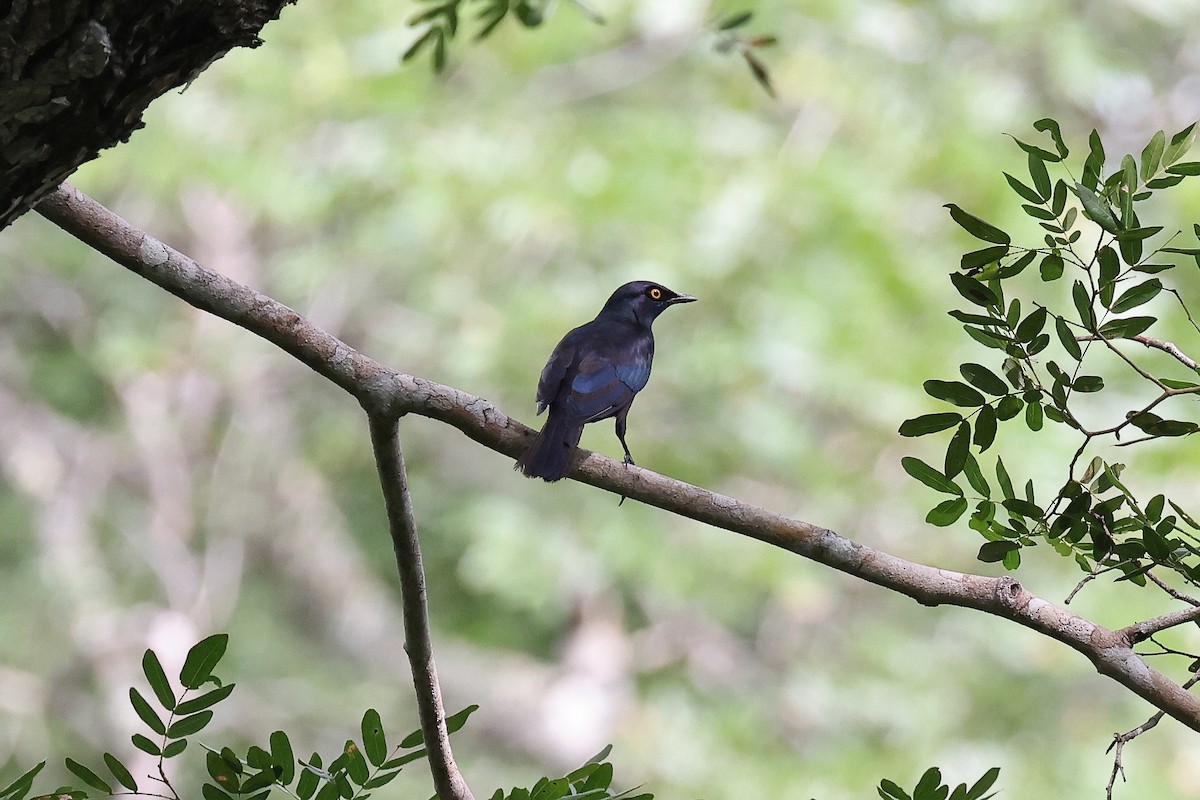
x=549, y=457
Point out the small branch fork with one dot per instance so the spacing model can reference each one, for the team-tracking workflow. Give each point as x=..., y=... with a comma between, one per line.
x=1121, y=739
x=386, y=394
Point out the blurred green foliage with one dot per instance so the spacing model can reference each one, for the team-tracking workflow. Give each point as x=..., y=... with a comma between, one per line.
x=166, y=475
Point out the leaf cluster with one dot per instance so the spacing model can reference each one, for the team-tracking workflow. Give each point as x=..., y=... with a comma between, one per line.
x=439, y=23
x=360, y=768
x=731, y=39
x=930, y=787
x=592, y=781
x=1094, y=235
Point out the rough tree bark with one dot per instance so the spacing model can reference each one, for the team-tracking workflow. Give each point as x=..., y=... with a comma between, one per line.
x=76, y=76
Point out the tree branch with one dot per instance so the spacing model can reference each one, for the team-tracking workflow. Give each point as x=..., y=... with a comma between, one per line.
x=1141, y=631
x=385, y=440
x=388, y=393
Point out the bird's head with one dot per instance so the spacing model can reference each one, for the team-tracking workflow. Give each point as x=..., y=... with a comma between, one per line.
x=643, y=301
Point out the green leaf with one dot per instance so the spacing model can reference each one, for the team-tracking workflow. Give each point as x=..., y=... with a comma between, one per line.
x=1126, y=328
x=1009, y=407
x=1051, y=126
x=983, y=378
x=222, y=772
x=929, y=476
x=979, y=258
x=975, y=319
x=1174, y=384
x=205, y=700
x=1067, y=339
x=955, y=392
x=21, y=786
x=1023, y=508
x=1016, y=267
x=975, y=476
x=989, y=338
x=189, y=725
x=307, y=785
x=356, y=765
x=1032, y=325
x=974, y=291
x=735, y=21
x=977, y=227
x=1140, y=233
x=87, y=776
x=1152, y=155
x=1033, y=416
x=380, y=779
x=1137, y=295
x=1021, y=189
x=174, y=748
x=1051, y=268
x=1039, y=175
x=1083, y=305
x=374, y=740
x=1129, y=173
x=1094, y=163
x=259, y=780
x=1185, y=168
x=1088, y=383
x=1131, y=250
x=1005, y=482
x=146, y=713
x=1180, y=144
x=407, y=758
x=1044, y=214
x=985, y=428
x=1096, y=209
x=145, y=745
x=982, y=785
x=455, y=721
x=992, y=552
x=202, y=659
x=958, y=449
x=210, y=792
x=1172, y=427
x=422, y=40
x=120, y=772
x=157, y=678
x=929, y=423
x=282, y=757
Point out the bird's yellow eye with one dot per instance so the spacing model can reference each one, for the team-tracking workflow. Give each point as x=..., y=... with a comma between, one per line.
x=655, y=293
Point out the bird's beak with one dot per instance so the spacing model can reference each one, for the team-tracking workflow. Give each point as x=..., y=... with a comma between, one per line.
x=681, y=298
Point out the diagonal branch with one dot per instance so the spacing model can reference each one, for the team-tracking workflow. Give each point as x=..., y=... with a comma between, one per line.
x=385, y=440
x=386, y=392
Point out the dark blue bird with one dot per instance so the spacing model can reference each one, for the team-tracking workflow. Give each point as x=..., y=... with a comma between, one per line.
x=594, y=373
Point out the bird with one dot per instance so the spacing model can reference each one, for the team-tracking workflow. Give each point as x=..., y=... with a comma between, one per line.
x=594, y=373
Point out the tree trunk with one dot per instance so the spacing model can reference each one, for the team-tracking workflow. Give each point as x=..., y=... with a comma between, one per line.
x=76, y=75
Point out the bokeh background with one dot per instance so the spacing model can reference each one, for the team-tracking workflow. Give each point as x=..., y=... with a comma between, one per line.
x=166, y=475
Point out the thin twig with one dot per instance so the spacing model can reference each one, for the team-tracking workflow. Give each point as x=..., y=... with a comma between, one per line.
x=1178, y=595
x=1120, y=739
x=389, y=459
x=1170, y=348
x=382, y=391
x=1141, y=631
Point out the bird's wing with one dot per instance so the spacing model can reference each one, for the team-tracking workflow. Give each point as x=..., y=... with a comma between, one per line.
x=600, y=388
x=550, y=385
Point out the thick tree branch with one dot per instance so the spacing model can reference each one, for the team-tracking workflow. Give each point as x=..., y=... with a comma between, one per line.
x=386, y=392
x=385, y=440
x=76, y=76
